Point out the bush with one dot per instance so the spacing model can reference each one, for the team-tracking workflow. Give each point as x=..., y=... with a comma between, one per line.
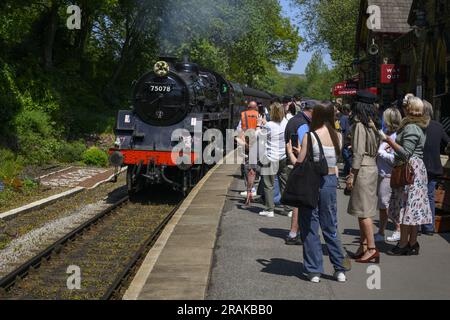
x=36, y=137
x=70, y=152
x=96, y=157
x=10, y=167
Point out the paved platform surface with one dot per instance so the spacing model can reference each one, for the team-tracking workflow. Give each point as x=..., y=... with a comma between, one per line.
x=251, y=261
x=73, y=177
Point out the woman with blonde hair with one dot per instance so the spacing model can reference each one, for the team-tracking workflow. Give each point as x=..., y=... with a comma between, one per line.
x=385, y=161
x=275, y=162
x=409, y=205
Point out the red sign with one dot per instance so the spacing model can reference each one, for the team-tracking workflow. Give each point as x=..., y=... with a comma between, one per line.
x=374, y=90
x=391, y=73
x=346, y=88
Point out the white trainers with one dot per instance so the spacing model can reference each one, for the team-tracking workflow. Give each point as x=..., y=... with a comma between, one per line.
x=269, y=214
x=313, y=278
x=290, y=214
x=395, y=237
x=340, y=276
x=244, y=194
x=379, y=238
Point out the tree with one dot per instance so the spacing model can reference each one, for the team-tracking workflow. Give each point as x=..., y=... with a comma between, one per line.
x=243, y=39
x=69, y=83
x=319, y=78
x=331, y=25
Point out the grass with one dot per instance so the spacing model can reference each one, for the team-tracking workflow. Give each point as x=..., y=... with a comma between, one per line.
x=11, y=199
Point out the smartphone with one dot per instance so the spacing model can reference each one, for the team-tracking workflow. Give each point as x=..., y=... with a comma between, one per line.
x=261, y=110
x=294, y=140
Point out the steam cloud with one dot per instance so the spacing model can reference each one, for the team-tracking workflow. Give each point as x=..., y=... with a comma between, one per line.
x=185, y=20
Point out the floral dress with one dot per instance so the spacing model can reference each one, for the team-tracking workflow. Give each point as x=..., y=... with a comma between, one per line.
x=410, y=205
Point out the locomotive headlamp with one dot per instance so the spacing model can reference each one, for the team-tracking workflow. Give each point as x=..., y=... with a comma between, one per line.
x=116, y=159
x=161, y=68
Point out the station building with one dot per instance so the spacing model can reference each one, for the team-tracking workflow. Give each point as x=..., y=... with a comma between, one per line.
x=406, y=50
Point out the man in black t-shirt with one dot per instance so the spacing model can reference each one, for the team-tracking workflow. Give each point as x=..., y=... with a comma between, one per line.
x=300, y=119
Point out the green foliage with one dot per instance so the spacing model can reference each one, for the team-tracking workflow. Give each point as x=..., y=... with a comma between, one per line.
x=59, y=85
x=316, y=83
x=71, y=152
x=331, y=25
x=10, y=167
x=9, y=105
x=36, y=136
x=29, y=184
x=244, y=40
x=319, y=78
x=95, y=157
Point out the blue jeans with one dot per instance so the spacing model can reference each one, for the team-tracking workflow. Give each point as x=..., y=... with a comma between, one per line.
x=277, y=193
x=347, y=157
x=325, y=216
x=431, y=189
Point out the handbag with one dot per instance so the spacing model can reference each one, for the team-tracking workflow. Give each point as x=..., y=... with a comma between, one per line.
x=322, y=164
x=402, y=175
x=302, y=187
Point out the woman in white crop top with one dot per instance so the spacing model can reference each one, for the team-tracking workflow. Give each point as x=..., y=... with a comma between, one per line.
x=325, y=215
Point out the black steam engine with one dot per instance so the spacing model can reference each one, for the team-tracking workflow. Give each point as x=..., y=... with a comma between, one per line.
x=175, y=95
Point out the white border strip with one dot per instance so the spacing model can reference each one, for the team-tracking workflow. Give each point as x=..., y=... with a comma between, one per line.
x=54, y=172
x=107, y=179
x=39, y=203
x=139, y=280
x=46, y=201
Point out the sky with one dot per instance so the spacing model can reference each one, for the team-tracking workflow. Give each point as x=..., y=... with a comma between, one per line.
x=303, y=57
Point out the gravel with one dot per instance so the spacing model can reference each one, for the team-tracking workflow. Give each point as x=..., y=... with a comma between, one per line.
x=21, y=224
x=21, y=248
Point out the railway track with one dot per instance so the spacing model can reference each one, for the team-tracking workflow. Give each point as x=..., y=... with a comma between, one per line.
x=102, y=253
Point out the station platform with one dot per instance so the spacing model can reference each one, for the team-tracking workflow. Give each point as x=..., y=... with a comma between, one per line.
x=216, y=249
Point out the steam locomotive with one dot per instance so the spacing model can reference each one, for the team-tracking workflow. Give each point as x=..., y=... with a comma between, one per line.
x=175, y=95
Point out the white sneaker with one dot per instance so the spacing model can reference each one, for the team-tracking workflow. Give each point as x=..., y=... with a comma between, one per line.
x=269, y=214
x=290, y=214
x=395, y=237
x=340, y=276
x=244, y=194
x=379, y=238
x=313, y=278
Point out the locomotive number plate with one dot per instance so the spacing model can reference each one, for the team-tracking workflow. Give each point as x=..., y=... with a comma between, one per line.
x=156, y=87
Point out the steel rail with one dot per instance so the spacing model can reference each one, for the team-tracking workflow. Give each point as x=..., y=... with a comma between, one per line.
x=117, y=284
x=22, y=271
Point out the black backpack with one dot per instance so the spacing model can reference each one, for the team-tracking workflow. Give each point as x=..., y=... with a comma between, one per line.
x=302, y=187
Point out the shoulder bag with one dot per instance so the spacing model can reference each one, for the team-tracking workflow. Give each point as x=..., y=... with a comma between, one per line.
x=322, y=164
x=402, y=175
x=302, y=187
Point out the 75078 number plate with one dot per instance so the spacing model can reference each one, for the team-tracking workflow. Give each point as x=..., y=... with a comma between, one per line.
x=156, y=87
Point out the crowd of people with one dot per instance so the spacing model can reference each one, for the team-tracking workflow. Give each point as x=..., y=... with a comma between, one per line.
x=377, y=146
